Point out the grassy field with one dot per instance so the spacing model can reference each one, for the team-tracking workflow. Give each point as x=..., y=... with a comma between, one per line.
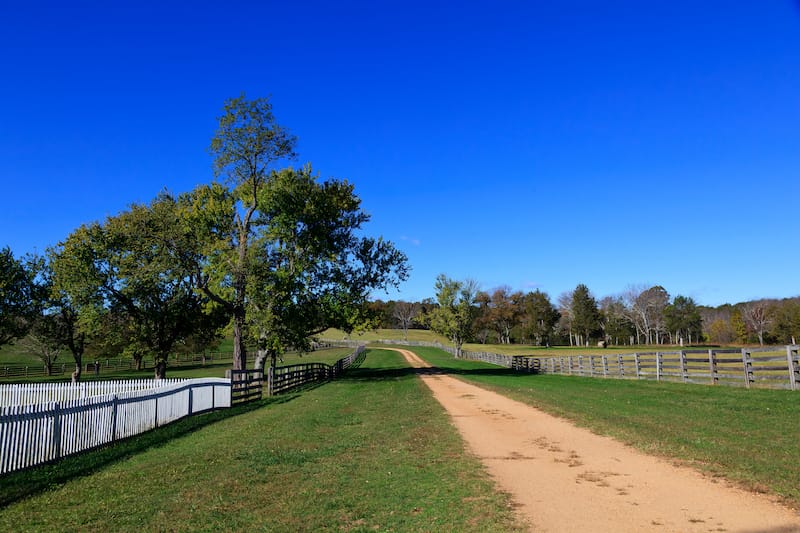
x=748, y=436
x=372, y=451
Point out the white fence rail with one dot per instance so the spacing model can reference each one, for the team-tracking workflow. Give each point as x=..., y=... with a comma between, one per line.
x=34, y=393
x=34, y=433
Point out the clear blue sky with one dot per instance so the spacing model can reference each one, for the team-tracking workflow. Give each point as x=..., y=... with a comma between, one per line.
x=529, y=144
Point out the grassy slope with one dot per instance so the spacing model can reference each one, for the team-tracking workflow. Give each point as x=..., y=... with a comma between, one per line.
x=373, y=451
x=749, y=436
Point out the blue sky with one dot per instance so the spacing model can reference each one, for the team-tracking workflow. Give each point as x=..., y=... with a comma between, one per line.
x=528, y=144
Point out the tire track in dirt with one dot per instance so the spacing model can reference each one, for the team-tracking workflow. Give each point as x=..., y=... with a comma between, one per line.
x=566, y=479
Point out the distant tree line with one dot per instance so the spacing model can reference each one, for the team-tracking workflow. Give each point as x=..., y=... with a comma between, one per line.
x=270, y=256
x=639, y=315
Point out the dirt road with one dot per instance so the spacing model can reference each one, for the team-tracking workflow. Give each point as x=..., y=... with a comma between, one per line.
x=565, y=478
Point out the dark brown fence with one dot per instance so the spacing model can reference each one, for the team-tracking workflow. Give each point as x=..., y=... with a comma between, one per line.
x=248, y=385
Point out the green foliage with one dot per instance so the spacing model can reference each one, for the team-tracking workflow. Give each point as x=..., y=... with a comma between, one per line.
x=683, y=318
x=17, y=304
x=540, y=317
x=786, y=322
x=585, y=314
x=306, y=267
x=455, y=315
x=139, y=264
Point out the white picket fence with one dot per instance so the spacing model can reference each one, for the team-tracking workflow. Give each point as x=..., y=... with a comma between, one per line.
x=35, y=393
x=35, y=433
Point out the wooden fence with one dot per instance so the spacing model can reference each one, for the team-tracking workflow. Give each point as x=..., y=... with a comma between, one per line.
x=247, y=385
x=773, y=367
x=32, y=434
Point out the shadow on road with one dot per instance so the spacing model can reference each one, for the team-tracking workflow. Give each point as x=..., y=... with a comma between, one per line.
x=371, y=374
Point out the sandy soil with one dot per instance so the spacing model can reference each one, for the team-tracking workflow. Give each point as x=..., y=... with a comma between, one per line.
x=564, y=478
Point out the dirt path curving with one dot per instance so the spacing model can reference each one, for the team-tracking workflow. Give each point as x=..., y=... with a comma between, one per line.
x=565, y=478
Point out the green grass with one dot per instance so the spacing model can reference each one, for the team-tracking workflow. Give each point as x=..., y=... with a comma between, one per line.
x=372, y=451
x=747, y=436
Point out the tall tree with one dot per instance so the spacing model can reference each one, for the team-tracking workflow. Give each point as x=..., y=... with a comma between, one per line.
x=404, y=314
x=565, y=310
x=585, y=314
x=456, y=311
x=503, y=312
x=315, y=270
x=615, y=322
x=757, y=317
x=646, y=308
x=248, y=142
x=16, y=298
x=683, y=319
x=540, y=317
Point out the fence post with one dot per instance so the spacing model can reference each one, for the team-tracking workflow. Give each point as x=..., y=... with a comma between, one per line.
x=56, y=430
x=114, y=403
x=191, y=399
x=684, y=367
x=636, y=363
x=270, y=380
x=712, y=366
x=748, y=370
x=659, y=360
x=794, y=371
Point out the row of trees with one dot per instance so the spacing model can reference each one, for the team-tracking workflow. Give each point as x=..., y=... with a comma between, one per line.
x=640, y=315
x=275, y=256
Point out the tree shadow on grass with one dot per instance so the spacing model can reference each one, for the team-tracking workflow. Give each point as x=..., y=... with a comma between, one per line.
x=377, y=374
x=21, y=484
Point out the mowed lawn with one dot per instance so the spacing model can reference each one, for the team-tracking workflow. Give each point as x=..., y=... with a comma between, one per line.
x=748, y=436
x=370, y=452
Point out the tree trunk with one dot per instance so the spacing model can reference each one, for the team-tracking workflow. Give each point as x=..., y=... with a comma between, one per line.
x=76, y=375
x=260, y=359
x=161, y=369
x=239, y=350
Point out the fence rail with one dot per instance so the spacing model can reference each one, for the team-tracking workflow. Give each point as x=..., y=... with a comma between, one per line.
x=31, y=393
x=32, y=434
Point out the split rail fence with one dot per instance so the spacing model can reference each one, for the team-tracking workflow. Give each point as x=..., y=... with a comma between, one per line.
x=769, y=367
x=50, y=421
x=772, y=367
